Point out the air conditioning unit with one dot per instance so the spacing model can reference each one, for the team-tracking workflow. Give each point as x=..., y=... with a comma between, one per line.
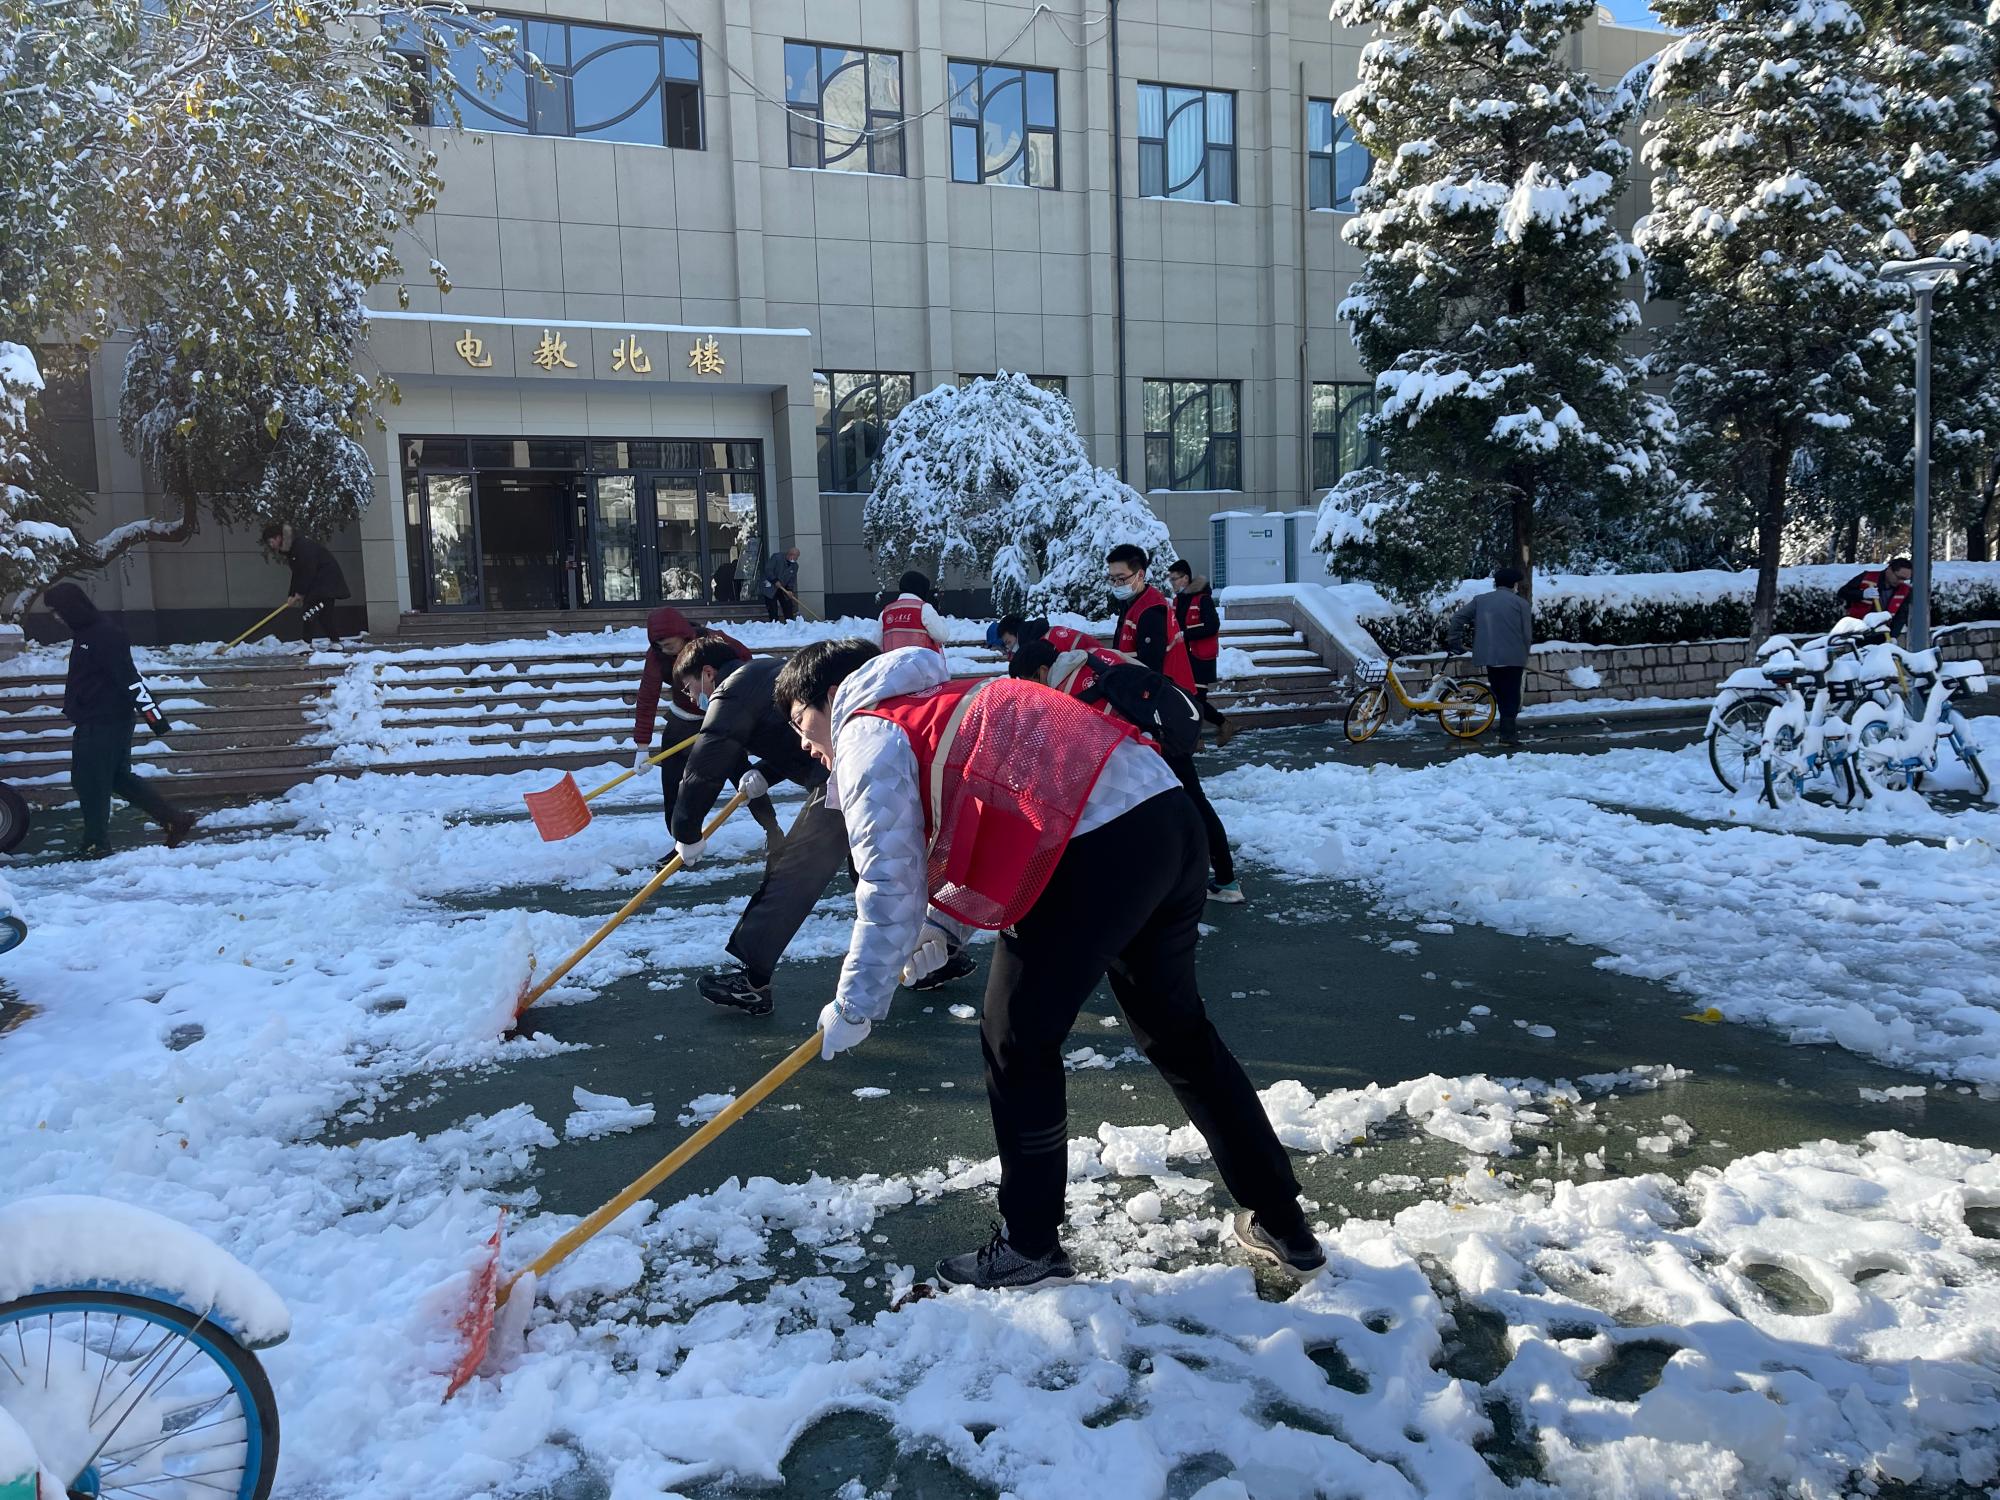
x=1302, y=564
x=1247, y=547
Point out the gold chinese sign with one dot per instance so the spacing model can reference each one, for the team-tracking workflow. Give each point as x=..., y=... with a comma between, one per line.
x=628, y=355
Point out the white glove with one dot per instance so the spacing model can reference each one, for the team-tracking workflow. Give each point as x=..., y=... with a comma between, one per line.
x=639, y=760
x=690, y=854
x=929, y=956
x=752, y=785
x=837, y=1033
x=1871, y=592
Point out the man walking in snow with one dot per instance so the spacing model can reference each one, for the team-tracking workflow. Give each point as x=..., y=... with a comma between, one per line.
x=1091, y=866
x=1200, y=625
x=104, y=697
x=668, y=632
x=1503, y=634
x=317, y=581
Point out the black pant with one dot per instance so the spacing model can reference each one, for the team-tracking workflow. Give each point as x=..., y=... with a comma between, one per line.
x=100, y=763
x=1125, y=901
x=795, y=878
x=1506, y=683
x=1219, y=857
x=316, y=618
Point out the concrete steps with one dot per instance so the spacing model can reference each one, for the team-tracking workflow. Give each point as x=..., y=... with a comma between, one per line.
x=426, y=707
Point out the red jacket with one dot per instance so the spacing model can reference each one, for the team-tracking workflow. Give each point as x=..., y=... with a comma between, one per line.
x=996, y=835
x=1141, y=637
x=663, y=624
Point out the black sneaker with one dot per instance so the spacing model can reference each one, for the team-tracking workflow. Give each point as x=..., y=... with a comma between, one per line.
x=735, y=991
x=998, y=1266
x=1298, y=1252
x=957, y=966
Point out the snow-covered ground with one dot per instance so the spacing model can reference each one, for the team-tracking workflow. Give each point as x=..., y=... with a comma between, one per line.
x=1818, y=1316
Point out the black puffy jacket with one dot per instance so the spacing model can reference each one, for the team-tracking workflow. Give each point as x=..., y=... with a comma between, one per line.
x=314, y=570
x=743, y=721
x=103, y=683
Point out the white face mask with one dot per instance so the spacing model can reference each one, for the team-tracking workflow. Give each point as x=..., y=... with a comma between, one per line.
x=1124, y=590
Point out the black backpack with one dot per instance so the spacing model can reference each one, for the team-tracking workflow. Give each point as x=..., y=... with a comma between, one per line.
x=1141, y=696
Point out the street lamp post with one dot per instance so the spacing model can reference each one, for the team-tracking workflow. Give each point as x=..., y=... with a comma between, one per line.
x=1923, y=277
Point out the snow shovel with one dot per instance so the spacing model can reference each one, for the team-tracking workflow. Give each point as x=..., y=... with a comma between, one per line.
x=660, y=877
x=796, y=600
x=477, y=1322
x=254, y=628
x=562, y=810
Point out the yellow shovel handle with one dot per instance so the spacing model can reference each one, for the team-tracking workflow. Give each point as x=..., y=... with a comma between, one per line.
x=652, y=760
x=667, y=1165
x=258, y=626
x=639, y=900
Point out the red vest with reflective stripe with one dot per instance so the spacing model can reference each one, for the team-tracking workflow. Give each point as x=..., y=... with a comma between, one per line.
x=1004, y=768
x=1063, y=638
x=1209, y=647
x=1176, y=667
x=903, y=625
x=1095, y=660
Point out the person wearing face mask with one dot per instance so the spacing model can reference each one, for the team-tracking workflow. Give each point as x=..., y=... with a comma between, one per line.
x=1146, y=625
x=740, y=723
x=1089, y=869
x=668, y=632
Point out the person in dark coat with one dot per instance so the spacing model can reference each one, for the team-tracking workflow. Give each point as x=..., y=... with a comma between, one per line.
x=668, y=633
x=317, y=581
x=1201, y=627
x=781, y=584
x=741, y=724
x=1503, y=635
x=104, y=698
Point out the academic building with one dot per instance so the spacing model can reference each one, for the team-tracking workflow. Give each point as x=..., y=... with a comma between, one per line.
x=697, y=272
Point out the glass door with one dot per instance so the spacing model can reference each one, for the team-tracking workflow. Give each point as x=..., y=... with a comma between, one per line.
x=451, y=542
x=729, y=521
x=618, y=547
x=676, y=507
x=526, y=559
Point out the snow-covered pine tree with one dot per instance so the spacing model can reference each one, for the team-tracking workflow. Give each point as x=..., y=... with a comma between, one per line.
x=230, y=172
x=29, y=547
x=1772, y=210
x=1493, y=303
x=994, y=478
x=1937, y=63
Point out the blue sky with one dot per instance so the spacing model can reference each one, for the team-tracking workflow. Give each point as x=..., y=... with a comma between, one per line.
x=1631, y=13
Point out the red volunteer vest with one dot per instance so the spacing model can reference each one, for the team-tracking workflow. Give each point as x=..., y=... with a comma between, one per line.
x=1891, y=600
x=1004, y=767
x=1176, y=669
x=1208, y=647
x=1095, y=660
x=903, y=625
x=1065, y=639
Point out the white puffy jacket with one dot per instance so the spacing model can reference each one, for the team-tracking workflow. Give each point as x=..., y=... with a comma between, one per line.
x=874, y=786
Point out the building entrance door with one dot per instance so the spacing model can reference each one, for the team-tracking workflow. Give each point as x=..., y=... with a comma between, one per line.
x=526, y=559
x=451, y=542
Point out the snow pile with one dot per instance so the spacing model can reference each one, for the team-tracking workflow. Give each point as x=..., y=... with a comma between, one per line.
x=598, y=1115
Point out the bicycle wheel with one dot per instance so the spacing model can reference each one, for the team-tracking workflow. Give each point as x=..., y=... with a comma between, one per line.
x=127, y=1398
x=1872, y=727
x=1467, y=709
x=1967, y=752
x=14, y=818
x=1782, y=785
x=1365, y=714
x=1736, y=741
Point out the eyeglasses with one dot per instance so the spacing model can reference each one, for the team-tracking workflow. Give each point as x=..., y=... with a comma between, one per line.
x=1122, y=577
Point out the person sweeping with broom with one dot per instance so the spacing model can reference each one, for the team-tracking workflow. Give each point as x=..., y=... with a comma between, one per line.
x=1002, y=804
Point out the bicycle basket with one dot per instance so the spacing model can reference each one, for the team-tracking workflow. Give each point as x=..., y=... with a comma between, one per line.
x=1368, y=672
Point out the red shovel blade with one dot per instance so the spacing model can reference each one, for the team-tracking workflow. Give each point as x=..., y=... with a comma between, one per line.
x=475, y=1324
x=560, y=811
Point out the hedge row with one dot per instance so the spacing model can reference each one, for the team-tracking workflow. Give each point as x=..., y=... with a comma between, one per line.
x=1805, y=606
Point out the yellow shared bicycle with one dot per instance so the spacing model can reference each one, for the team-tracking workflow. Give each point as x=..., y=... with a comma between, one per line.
x=1464, y=706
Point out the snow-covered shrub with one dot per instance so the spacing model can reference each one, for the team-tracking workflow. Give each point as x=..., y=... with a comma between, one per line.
x=1642, y=609
x=994, y=478
x=30, y=548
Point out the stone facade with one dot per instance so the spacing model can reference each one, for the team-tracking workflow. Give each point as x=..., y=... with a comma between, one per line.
x=795, y=270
